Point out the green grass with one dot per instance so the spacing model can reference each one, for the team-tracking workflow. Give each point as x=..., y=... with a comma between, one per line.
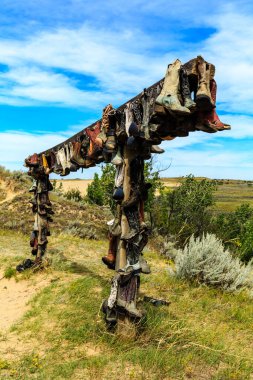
x=203, y=331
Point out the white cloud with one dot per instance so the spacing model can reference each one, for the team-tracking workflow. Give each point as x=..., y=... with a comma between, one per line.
x=112, y=58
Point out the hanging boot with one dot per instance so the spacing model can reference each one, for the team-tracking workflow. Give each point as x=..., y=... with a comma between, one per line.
x=203, y=95
x=144, y=129
x=132, y=216
x=202, y=123
x=121, y=127
x=32, y=161
x=76, y=156
x=133, y=130
x=212, y=119
x=130, y=307
x=134, y=197
x=101, y=139
x=105, y=125
x=57, y=169
x=185, y=90
x=117, y=159
x=127, y=297
x=156, y=149
x=110, y=144
x=63, y=160
x=119, y=176
x=169, y=94
x=110, y=258
x=33, y=188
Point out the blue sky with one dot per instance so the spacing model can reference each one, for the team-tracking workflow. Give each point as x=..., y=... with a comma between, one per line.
x=62, y=61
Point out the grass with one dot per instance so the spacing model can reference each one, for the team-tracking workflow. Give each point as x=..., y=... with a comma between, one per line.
x=203, y=334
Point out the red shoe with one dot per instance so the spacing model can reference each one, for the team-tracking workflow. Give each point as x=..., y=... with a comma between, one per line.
x=212, y=119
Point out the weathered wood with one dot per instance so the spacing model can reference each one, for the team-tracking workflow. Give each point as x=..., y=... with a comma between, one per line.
x=121, y=255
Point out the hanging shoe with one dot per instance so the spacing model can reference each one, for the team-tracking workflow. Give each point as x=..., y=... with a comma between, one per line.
x=33, y=161
x=119, y=176
x=121, y=127
x=110, y=144
x=101, y=139
x=203, y=124
x=185, y=90
x=118, y=194
x=130, y=307
x=76, y=156
x=132, y=216
x=105, y=125
x=203, y=95
x=212, y=119
x=169, y=93
x=156, y=149
x=144, y=128
x=33, y=188
x=133, y=130
x=117, y=159
x=61, y=154
x=110, y=258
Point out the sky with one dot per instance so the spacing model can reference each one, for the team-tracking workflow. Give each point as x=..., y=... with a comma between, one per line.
x=62, y=61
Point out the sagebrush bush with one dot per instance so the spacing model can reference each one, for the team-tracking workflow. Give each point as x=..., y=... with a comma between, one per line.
x=76, y=228
x=168, y=249
x=205, y=260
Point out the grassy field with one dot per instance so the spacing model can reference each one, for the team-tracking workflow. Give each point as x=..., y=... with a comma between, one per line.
x=232, y=194
x=229, y=195
x=203, y=334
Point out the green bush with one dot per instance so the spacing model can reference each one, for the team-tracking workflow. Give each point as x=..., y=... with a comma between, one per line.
x=186, y=210
x=74, y=195
x=236, y=231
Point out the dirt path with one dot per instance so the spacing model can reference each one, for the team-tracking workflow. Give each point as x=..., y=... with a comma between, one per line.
x=14, y=297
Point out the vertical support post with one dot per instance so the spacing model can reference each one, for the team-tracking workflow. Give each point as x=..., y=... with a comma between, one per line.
x=121, y=254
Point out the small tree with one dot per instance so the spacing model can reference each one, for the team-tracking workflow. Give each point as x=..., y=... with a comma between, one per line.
x=95, y=193
x=101, y=189
x=188, y=208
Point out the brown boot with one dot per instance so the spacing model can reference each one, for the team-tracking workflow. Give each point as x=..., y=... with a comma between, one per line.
x=77, y=158
x=110, y=258
x=105, y=118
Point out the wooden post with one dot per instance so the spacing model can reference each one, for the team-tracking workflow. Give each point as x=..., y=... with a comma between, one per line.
x=121, y=254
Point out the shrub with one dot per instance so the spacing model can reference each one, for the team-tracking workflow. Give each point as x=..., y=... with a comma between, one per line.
x=80, y=230
x=9, y=272
x=189, y=208
x=205, y=261
x=236, y=231
x=73, y=195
